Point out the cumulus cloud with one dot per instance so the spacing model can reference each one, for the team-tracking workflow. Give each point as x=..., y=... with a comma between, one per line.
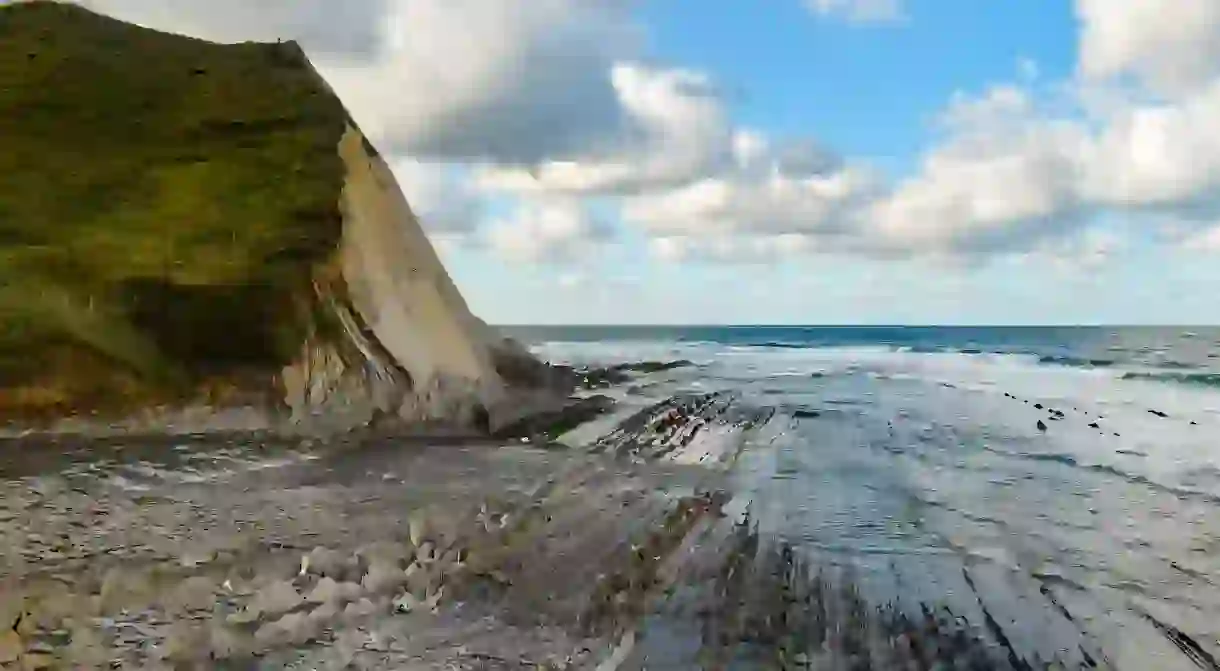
x=675, y=130
x=1170, y=48
x=496, y=80
x=554, y=230
x=1161, y=154
x=1014, y=169
x=442, y=195
x=731, y=248
x=1002, y=178
x=858, y=11
x=771, y=204
x=1014, y=172
x=546, y=101
x=1007, y=175
x=684, y=172
x=499, y=80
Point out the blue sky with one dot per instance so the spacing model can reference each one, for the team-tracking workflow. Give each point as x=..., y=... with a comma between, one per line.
x=873, y=92
x=786, y=161
x=867, y=90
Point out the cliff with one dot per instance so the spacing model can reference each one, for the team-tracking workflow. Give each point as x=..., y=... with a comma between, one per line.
x=195, y=230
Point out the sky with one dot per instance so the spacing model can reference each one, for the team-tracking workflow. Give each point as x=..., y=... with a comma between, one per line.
x=785, y=161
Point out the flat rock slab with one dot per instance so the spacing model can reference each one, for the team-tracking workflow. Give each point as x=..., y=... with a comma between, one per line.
x=218, y=554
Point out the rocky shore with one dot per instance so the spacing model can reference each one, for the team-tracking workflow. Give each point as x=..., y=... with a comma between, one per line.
x=615, y=539
x=253, y=553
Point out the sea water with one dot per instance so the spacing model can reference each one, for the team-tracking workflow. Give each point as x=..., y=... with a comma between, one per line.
x=1061, y=484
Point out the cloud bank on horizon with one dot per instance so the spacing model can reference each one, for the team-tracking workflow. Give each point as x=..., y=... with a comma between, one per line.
x=556, y=134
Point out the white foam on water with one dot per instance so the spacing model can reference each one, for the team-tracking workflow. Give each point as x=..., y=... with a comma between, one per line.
x=1116, y=515
x=1167, y=451
x=616, y=352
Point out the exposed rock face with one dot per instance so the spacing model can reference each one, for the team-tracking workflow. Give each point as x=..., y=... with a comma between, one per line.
x=414, y=350
x=253, y=264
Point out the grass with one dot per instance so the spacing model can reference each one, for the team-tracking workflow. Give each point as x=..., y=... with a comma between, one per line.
x=164, y=204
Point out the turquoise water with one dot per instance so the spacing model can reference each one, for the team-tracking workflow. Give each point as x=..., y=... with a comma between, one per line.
x=1172, y=354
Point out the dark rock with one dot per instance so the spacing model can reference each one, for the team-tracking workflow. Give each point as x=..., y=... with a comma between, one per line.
x=600, y=378
x=652, y=366
x=551, y=425
x=597, y=378
x=1094, y=425
x=1041, y=425
x=519, y=368
x=1158, y=413
x=806, y=414
x=1038, y=406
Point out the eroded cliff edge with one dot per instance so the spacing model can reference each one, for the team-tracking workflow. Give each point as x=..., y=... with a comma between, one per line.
x=197, y=236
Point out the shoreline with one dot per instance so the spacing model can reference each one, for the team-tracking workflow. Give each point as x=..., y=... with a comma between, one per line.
x=489, y=505
x=646, y=542
x=555, y=401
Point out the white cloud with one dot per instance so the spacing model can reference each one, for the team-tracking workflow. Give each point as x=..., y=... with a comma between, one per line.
x=731, y=248
x=675, y=130
x=858, y=11
x=553, y=230
x=1015, y=169
x=683, y=170
x=556, y=84
x=442, y=195
x=1206, y=240
x=1161, y=155
x=501, y=80
x=1009, y=176
x=1002, y=178
x=770, y=204
x=324, y=27
x=1171, y=47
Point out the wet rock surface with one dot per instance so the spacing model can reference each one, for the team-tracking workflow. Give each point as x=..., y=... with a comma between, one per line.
x=661, y=539
x=548, y=426
x=253, y=555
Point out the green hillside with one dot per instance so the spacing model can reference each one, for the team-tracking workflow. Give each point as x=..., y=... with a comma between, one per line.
x=164, y=204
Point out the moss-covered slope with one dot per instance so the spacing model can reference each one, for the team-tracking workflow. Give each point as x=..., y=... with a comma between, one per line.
x=165, y=204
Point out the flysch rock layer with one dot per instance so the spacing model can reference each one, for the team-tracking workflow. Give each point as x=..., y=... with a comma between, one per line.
x=424, y=355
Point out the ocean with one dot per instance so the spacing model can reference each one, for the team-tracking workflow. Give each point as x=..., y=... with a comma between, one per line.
x=1170, y=353
x=1058, y=486
x=823, y=498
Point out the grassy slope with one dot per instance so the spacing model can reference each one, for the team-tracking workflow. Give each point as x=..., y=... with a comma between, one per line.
x=163, y=202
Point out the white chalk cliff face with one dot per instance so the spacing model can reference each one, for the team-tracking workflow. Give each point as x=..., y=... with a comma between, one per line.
x=420, y=354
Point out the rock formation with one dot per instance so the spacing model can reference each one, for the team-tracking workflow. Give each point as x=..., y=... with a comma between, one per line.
x=198, y=234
